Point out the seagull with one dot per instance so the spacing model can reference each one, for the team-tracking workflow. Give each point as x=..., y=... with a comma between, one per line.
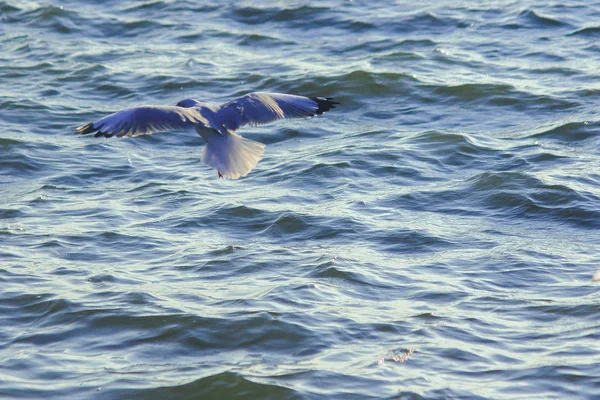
x=230, y=154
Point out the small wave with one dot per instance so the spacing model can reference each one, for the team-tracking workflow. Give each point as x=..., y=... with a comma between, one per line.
x=477, y=92
x=7, y=143
x=427, y=21
x=570, y=131
x=242, y=221
x=501, y=95
x=370, y=83
x=262, y=40
x=224, y=385
x=6, y=9
x=530, y=17
x=507, y=195
x=11, y=213
x=147, y=6
x=42, y=309
x=303, y=15
x=409, y=241
x=592, y=31
x=55, y=18
x=518, y=195
x=451, y=149
x=19, y=164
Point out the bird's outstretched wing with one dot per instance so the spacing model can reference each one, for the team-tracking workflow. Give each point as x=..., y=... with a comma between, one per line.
x=260, y=108
x=143, y=121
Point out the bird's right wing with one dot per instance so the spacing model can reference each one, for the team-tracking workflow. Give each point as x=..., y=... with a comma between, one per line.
x=260, y=108
x=143, y=120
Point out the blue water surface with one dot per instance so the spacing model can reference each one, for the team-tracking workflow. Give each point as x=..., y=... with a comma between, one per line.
x=433, y=237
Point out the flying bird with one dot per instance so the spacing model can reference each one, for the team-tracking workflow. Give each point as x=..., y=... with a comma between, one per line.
x=230, y=154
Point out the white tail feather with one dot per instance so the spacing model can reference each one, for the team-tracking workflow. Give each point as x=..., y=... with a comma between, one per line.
x=232, y=155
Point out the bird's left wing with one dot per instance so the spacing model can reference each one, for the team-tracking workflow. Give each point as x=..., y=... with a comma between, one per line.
x=260, y=108
x=143, y=120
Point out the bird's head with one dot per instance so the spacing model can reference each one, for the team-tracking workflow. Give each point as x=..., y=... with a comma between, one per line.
x=187, y=103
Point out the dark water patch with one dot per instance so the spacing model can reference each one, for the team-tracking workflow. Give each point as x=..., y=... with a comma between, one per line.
x=437, y=201
x=84, y=72
x=545, y=56
x=372, y=47
x=255, y=332
x=12, y=276
x=6, y=256
x=108, y=279
x=546, y=159
x=417, y=44
x=222, y=263
x=246, y=220
x=571, y=132
x=588, y=32
x=516, y=272
x=516, y=195
x=367, y=83
x=120, y=28
x=531, y=18
x=56, y=18
x=37, y=310
x=340, y=387
x=224, y=385
x=204, y=35
x=113, y=90
x=387, y=162
x=561, y=71
x=407, y=241
x=6, y=9
x=446, y=296
x=593, y=93
x=95, y=174
x=502, y=96
x=475, y=92
x=397, y=56
x=262, y=40
x=147, y=7
x=24, y=104
x=49, y=93
x=333, y=270
x=433, y=23
x=286, y=133
x=19, y=164
x=325, y=170
x=452, y=149
x=311, y=227
x=388, y=52
x=8, y=213
x=345, y=25
x=507, y=195
x=462, y=356
x=127, y=243
x=304, y=15
x=193, y=8
x=7, y=143
x=556, y=312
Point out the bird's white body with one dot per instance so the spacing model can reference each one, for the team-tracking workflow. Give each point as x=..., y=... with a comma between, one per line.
x=230, y=154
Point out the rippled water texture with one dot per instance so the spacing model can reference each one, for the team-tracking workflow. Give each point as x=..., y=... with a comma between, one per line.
x=433, y=237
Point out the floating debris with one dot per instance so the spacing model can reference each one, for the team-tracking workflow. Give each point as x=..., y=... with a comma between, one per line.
x=400, y=357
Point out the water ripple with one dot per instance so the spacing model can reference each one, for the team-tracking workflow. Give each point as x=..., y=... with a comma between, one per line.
x=434, y=236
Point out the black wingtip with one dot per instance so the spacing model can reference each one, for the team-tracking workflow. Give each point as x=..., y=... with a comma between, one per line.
x=89, y=128
x=324, y=104
x=85, y=129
